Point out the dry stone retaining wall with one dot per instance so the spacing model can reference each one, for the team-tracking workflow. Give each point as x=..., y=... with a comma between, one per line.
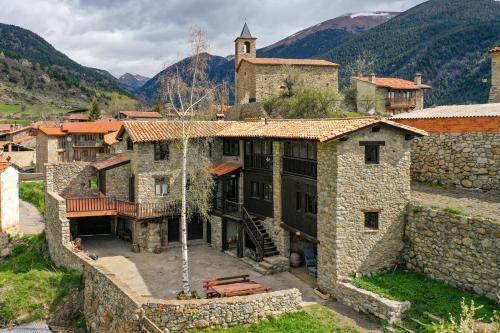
x=468, y=159
x=369, y=302
x=459, y=250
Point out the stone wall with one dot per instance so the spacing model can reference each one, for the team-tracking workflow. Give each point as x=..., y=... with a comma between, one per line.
x=218, y=312
x=117, y=182
x=459, y=250
x=109, y=305
x=347, y=188
x=46, y=150
x=71, y=180
x=495, y=78
x=368, y=302
x=469, y=159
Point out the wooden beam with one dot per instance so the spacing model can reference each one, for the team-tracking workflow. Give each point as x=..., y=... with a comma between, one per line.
x=299, y=233
x=90, y=214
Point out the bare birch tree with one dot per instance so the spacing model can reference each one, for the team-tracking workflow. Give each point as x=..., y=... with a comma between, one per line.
x=187, y=91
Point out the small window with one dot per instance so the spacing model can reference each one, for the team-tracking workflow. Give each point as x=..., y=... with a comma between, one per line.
x=93, y=183
x=372, y=153
x=254, y=190
x=161, y=151
x=231, y=147
x=161, y=186
x=252, y=100
x=371, y=220
x=268, y=192
x=311, y=204
x=130, y=144
x=246, y=47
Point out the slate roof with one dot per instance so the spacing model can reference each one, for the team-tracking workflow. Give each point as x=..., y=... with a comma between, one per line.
x=306, y=129
x=245, y=32
x=393, y=83
x=453, y=111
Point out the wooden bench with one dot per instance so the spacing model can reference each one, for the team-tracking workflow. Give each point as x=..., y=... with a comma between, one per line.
x=232, y=286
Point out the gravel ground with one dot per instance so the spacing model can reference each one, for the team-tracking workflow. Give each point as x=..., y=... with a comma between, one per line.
x=470, y=202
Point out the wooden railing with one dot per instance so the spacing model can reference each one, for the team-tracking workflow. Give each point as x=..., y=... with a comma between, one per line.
x=401, y=102
x=300, y=166
x=121, y=207
x=253, y=232
x=259, y=161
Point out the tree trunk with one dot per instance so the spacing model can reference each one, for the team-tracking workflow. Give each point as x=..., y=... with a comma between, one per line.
x=185, y=263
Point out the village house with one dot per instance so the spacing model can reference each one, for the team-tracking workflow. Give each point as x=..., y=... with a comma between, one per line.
x=280, y=186
x=389, y=95
x=9, y=198
x=72, y=141
x=259, y=78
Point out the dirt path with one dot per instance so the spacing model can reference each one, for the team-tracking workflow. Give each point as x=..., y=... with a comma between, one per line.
x=31, y=222
x=470, y=202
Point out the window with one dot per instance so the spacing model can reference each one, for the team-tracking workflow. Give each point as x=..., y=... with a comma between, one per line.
x=372, y=151
x=130, y=144
x=161, y=151
x=372, y=154
x=161, y=186
x=231, y=147
x=254, y=190
x=311, y=204
x=300, y=149
x=93, y=183
x=267, y=192
x=371, y=220
x=246, y=47
x=298, y=201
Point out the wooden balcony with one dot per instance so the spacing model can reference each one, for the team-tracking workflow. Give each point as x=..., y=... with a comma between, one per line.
x=300, y=167
x=87, y=207
x=401, y=103
x=259, y=161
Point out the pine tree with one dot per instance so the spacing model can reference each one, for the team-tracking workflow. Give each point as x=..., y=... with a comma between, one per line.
x=157, y=106
x=94, y=112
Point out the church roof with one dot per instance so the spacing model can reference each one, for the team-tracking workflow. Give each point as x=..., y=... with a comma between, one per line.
x=245, y=32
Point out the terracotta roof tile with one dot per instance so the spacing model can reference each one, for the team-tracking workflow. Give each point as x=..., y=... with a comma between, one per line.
x=495, y=49
x=110, y=138
x=113, y=161
x=141, y=114
x=24, y=139
x=54, y=131
x=289, y=62
x=77, y=116
x=5, y=127
x=393, y=83
x=221, y=169
x=306, y=129
x=100, y=127
x=145, y=131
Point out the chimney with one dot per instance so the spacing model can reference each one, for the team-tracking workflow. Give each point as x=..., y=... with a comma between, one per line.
x=418, y=79
x=371, y=78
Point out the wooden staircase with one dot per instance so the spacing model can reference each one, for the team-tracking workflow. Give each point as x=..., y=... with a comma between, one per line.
x=258, y=234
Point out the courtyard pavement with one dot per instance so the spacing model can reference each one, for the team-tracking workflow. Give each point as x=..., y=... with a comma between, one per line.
x=159, y=275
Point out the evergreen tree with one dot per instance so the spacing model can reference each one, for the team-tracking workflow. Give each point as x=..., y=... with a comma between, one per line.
x=94, y=112
x=157, y=107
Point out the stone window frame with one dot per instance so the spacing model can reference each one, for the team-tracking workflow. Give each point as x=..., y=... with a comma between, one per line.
x=366, y=213
x=165, y=182
x=161, y=150
x=368, y=145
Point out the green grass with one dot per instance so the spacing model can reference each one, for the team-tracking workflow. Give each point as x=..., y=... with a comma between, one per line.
x=23, y=114
x=313, y=319
x=425, y=295
x=30, y=285
x=455, y=211
x=33, y=192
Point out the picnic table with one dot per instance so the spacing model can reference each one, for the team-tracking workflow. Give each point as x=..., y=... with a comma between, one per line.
x=232, y=286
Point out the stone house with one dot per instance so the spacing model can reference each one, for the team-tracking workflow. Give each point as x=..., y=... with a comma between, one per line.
x=463, y=148
x=389, y=95
x=495, y=75
x=280, y=186
x=259, y=78
x=9, y=198
x=72, y=141
x=138, y=115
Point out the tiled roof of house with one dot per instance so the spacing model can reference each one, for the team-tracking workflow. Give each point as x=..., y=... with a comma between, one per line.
x=24, y=139
x=4, y=165
x=111, y=162
x=306, y=129
x=221, y=169
x=393, y=83
x=54, y=131
x=45, y=123
x=454, y=111
x=110, y=138
x=291, y=62
x=92, y=127
x=141, y=114
x=495, y=49
x=5, y=127
x=77, y=116
x=145, y=131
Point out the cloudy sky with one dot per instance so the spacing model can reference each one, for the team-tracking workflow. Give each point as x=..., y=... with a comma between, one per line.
x=142, y=36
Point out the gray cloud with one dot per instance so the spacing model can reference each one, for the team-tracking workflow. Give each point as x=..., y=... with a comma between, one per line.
x=142, y=36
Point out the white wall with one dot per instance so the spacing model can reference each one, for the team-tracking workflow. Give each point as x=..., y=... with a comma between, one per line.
x=9, y=200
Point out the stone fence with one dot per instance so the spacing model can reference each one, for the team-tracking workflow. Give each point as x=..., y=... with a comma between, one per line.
x=369, y=302
x=221, y=312
x=459, y=250
x=468, y=159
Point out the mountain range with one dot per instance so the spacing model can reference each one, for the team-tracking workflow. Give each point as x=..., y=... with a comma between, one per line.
x=446, y=40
